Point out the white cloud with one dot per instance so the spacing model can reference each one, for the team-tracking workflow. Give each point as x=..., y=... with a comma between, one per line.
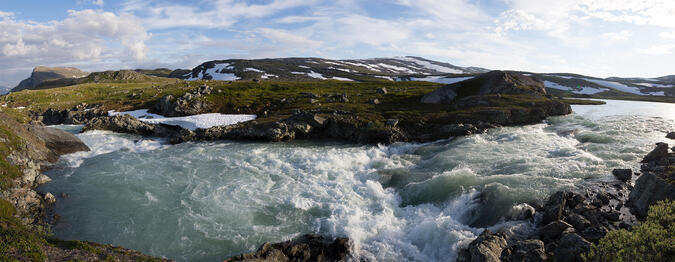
x=214, y=14
x=665, y=49
x=5, y=14
x=617, y=36
x=86, y=35
x=287, y=38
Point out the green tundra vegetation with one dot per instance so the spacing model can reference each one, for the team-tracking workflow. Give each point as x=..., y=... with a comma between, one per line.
x=650, y=240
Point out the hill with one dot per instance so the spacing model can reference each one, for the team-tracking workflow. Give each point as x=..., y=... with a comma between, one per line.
x=304, y=69
x=42, y=74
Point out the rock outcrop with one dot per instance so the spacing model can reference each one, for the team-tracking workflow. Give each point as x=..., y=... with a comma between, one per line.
x=188, y=104
x=656, y=182
x=570, y=222
x=493, y=82
x=75, y=116
x=58, y=141
x=302, y=249
x=42, y=74
x=129, y=124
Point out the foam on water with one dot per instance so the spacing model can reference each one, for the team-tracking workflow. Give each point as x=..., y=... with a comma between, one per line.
x=404, y=202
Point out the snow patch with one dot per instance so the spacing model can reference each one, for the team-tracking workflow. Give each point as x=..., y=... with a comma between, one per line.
x=584, y=89
x=316, y=75
x=189, y=122
x=396, y=68
x=442, y=80
x=341, y=78
x=215, y=73
x=431, y=66
x=615, y=85
x=254, y=70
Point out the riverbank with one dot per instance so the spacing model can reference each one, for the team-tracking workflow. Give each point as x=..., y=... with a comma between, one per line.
x=572, y=222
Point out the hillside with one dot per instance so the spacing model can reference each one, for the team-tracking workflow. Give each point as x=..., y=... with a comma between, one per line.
x=43, y=74
x=320, y=69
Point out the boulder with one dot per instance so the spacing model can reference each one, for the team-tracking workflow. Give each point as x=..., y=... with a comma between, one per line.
x=649, y=189
x=49, y=198
x=58, y=141
x=623, y=174
x=671, y=135
x=309, y=247
x=494, y=82
x=660, y=152
x=554, y=229
x=487, y=247
x=530, y=250
x=570, y=248
x=382, y=91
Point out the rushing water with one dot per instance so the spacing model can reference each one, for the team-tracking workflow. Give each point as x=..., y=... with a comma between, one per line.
x=418, y=202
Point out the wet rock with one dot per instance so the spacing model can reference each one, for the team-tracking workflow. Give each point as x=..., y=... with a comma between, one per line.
x=579, y=222
x=531, y=250
x=571, y=247
x=623, y=174
x=304, y=248
x=671, y=135
x=555, y=206
x=660, y=152
x=553, y=230
x=42, y=179
x=49, y=198
x=649, y=189
x=59, y=141
x=487, y=247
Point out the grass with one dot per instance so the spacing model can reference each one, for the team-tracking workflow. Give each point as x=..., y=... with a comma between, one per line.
x=17, y=241
x=651, y=240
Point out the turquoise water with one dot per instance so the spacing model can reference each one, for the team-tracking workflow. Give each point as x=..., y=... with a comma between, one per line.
x=415, y=202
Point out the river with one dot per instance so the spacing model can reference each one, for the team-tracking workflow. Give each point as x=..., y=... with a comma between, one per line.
x=405, y=202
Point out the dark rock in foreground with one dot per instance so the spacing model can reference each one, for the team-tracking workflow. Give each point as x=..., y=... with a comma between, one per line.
x=307, y=248
x=655, y=183
x=623, y=174
x=671, y=135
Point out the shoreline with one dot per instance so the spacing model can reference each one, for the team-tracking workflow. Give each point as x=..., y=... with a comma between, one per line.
x=267, y=250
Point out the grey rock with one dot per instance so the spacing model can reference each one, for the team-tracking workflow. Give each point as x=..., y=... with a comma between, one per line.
x=487, y=247
x=494, y=82
x=649, y=189
x=579, y=222
x=59, y=141
x=623, y=174
x=42, y=179
x=660, y=152
x=444, y=95
x=49, y=198
x=554, y=229
x=671, y=135
x=570, y=248
x=302, y=249
x=531, y=250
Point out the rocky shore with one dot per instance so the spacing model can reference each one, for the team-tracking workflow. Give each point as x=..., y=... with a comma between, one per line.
x=570, y=221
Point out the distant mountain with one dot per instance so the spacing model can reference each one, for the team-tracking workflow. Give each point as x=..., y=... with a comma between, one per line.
x=612, y=86
x=319, y=69
x=42, y=74
x=4, y=90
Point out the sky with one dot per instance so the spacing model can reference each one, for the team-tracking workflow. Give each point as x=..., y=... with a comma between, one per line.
x=628, y=38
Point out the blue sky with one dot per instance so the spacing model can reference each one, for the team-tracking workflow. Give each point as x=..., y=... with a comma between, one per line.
x=600, y=38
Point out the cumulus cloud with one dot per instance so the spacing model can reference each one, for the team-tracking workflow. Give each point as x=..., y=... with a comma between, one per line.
x=86, y=35
x=213, y=14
